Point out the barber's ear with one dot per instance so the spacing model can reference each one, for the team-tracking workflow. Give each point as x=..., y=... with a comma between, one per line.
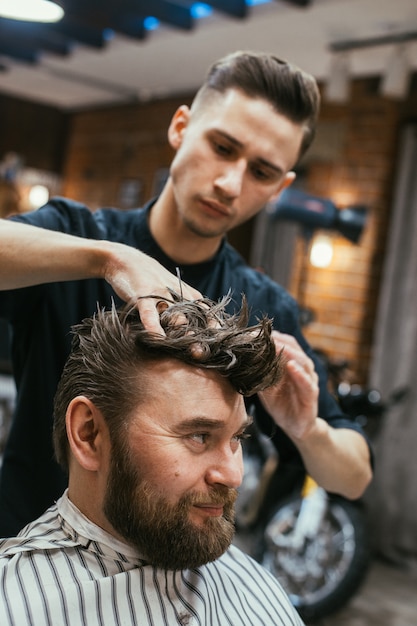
x=87, y=433
x=178, y=125
x=288, y=179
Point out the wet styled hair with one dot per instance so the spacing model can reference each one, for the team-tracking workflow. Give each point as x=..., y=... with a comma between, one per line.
x=291, y=91
x=111, y=349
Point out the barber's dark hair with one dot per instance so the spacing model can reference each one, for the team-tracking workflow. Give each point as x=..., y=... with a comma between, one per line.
x=291, y=91
x=111, y=349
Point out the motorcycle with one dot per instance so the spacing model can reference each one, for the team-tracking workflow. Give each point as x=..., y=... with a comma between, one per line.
x=314, y=542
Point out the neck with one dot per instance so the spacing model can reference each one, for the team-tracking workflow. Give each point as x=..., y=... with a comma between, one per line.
x=84, y=491
x=174, y=237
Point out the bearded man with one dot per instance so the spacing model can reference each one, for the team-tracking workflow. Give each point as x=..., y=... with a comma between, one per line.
x=149, y=429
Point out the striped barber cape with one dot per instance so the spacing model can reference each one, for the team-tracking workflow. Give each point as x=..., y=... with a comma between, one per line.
x=64, y=570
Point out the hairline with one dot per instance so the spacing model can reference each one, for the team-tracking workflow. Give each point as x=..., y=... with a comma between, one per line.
x=208, y=93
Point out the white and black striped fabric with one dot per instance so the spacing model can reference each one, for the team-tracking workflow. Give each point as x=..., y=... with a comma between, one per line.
x=62, y=570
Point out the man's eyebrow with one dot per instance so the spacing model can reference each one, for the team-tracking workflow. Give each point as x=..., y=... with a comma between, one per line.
x=230, y=138
x=271, y=166
x=198, y=423
x=239, y=144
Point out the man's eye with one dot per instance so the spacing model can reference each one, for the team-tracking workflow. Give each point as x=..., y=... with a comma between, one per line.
x=260, y=174
x=242, y=436
x=199, y=437
x=222, y=149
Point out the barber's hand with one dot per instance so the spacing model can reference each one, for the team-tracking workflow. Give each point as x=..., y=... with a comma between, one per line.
x=293, y=402
x=135, y=275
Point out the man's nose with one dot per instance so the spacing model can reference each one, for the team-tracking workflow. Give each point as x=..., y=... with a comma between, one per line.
x=226, y=469
x=230, y=181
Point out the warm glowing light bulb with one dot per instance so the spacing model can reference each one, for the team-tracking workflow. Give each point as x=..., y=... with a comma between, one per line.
x=321, y=252
x=38, y=195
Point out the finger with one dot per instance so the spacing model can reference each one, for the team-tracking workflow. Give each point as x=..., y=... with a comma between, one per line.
x=306, y=381
x=190, y=293
x=291, y=347
x=295, y=353
x=161, y=306
x=187, y=292
x=149, y=316
x=286, y=340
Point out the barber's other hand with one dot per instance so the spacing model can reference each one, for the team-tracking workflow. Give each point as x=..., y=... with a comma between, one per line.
x=293, y=402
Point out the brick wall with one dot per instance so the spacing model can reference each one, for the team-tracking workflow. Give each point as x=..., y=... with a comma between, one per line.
x=344, y=295
x=110, y=147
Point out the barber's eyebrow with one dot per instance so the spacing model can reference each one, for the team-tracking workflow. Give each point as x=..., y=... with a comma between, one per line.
x=208, y=423
x=239, y=144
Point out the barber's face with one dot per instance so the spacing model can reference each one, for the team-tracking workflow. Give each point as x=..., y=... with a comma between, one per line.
x=234, y=153
x=173, y=480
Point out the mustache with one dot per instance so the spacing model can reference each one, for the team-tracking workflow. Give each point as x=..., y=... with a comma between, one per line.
x=219, y=496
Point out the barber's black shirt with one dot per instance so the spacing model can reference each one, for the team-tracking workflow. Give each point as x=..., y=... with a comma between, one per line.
x=41, y=319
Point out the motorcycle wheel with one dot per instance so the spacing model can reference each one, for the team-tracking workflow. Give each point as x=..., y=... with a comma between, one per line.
x=322, y=575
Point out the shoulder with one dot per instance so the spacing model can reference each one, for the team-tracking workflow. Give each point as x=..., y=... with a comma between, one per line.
x=58, y=214
x=72, y=217
x=43, y=526
x=241, y=576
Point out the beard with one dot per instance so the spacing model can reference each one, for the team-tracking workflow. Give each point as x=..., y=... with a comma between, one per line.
x=163, y=532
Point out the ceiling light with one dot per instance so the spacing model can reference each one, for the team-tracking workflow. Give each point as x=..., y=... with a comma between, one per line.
x=338, y=84
x=31, y=10
x=396, y=78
